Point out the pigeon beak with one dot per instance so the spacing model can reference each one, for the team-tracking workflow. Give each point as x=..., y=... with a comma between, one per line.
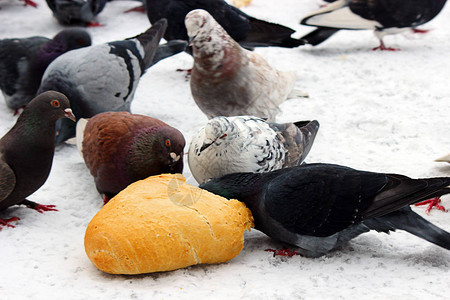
x=69, y=114
x=175, y=158
x=191, y=40
x=205, y=145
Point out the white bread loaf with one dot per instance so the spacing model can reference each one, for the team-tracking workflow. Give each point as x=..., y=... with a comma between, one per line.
x=162, y=224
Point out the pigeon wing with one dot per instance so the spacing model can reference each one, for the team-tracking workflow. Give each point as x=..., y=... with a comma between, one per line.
x=7, y=180
x=320, y=199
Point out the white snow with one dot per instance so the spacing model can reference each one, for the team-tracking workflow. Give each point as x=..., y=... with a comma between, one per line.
x=379, y=111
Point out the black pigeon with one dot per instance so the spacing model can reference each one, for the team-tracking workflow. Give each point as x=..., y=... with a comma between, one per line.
x=76, y=12
x=24, y=60
x=101, y=77
x=246, y=30
x=318, y=207
x=26, y=151
x=382, y=16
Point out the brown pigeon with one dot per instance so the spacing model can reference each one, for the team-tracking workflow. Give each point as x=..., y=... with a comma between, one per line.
x=26, y=151
x=120, y=148
x=228, y=80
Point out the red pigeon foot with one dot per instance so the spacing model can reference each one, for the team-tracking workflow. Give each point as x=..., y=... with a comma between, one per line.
x=432, y=203
x=39, y=207
x=188, y=73
x=422, y=31
x=382, y=47
x=17, y=110
x=283, y=252
x=7, y=221
x=105, y=199
x=94, y=24
x=31, y=3
x=136, y=9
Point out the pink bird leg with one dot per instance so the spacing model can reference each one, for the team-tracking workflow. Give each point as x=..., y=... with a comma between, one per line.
x=382, y=47
x=136, y=9
x=31, y=3
x=7, y=221
x=283, y=252
x=94, y=24
x=432, y=203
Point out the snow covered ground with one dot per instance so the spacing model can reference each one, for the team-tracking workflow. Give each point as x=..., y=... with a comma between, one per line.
x=379, y=111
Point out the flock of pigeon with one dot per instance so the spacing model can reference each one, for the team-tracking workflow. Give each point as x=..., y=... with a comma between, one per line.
x=241, y=153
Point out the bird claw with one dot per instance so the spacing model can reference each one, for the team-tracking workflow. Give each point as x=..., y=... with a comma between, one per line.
x=432, y=203
x=188, y=73
x=283, y=252
x=136, y=9
x=421, y=31
x=30, y=3
x=94, y=24
x=384, y=48
x=7, y=221
x=41, y=208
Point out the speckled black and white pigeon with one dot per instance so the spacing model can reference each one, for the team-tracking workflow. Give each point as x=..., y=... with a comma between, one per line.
x=76, y=12
x=26, y=151
x=24, y=60
x=246, y=30
x=228, y=80
x=101, y=77
x=248, y=144
x=319, y=207
x=382, y=16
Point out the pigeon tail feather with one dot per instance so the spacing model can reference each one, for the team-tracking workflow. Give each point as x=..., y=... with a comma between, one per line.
x=150, y=40
x=318, y=36
x=407, y=220
x=264, y=34
x=168, y=49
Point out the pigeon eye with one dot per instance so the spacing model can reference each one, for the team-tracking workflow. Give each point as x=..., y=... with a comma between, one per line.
x=55, y=103
x=168, y=143
x=223, y=135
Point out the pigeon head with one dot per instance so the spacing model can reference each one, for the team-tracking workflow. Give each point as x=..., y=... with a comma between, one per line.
x=218, y=132
x=73, y=38
x=195, y=21
x=165, y=144
x=205, y=34
x=49, y=106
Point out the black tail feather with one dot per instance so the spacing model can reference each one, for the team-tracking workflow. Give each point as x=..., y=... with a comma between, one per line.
x=150, y=40
x=401, y=191
x=407, y=220
x=264, y=34
x=168, y=49
x=319, y=35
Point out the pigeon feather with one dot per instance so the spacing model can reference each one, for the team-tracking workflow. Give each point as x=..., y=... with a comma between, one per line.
x=319, y=207
x=24, y=60
x=248, y=144
x=228, y=80
x=101, y=77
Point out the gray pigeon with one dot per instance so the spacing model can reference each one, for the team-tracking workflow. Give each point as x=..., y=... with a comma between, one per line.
x=76, y=12
x=319, y=207
x=24, y=60
x=228, y=80
x=26, y=151
x=383, y=16
x=248, y=144
x=101, y=77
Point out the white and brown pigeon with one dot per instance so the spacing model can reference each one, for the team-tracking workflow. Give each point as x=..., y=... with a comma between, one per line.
x=228, y=80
